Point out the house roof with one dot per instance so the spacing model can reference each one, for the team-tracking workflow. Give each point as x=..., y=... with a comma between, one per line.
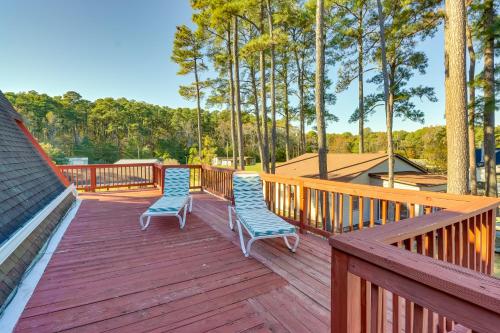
x=27, y=182
x=7, y=108
x=413, y=178
x=342, y=167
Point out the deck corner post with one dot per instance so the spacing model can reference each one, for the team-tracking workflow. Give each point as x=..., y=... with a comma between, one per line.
x=155, y=176
x=93, y=180
x=345, y=298
x=202, y=173
x=162, y=178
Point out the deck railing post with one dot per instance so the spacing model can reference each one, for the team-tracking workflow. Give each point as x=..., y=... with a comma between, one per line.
x=202, y=174
x=346, y=295
x=303, y=205
x=162, y=179
x=93, y=180
x=155, y=178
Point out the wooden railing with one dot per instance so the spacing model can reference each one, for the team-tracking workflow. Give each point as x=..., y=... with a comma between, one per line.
x=94, y=177
x=218, y=181
x=105, y=176
x=425, y=274
x=327, y=207
x=402, y=260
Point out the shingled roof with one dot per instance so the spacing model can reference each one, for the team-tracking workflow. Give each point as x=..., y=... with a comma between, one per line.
x=27, y=182
x=341, y=167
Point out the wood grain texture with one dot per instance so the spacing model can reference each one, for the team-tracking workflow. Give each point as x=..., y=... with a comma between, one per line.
x=108, y=275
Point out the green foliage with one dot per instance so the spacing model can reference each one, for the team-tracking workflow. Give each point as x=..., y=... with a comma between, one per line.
x=108, y=129
x=55, y=154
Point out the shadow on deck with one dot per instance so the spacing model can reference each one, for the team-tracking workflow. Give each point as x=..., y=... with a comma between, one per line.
x=108, y=275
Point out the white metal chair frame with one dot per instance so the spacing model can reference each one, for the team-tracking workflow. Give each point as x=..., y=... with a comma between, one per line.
x=246, y=249
x=186, y=206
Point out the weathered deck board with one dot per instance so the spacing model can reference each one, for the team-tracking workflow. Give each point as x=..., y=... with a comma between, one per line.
x=108, y=275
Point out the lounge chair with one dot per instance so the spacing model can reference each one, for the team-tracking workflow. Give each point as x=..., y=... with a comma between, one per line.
x=175, y=198
x=251, y=212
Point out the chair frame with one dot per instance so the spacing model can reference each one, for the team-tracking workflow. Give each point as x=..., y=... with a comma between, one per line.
x=187, y=206
x=246, y=248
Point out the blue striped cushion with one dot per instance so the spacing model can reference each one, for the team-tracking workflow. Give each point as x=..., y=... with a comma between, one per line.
x=176, y=182
x=260, y=222
x=252, y=209
x=247, y=190
x=168, y=205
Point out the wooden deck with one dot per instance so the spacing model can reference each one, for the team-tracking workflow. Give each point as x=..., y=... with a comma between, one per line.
x=108, y=275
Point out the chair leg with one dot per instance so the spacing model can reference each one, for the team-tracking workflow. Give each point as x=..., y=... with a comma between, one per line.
x=245, y=250
x=182, y=220
x=141, y=222
x=295, y=245
x=230, y=218
x=190, y=204
x=185, y=212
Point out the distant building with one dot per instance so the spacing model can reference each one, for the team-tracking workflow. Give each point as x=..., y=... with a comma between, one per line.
x=228, y=161
x=480, y=163
x=137, y=160
x=78, y=160
x=367, y=169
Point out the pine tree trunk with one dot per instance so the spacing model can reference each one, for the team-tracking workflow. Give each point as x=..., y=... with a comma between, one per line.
x=286, y=111
x=320, y=91
x=272, y=90
x=198, y=109
x=456, y=97
x=320, y=110
x=361, y=104
x=300, y=85
x=263, y=97
x=472, y=112
x=237, y=99
x=388, y=103
x=231, y=93
x=390, y=139
x=256, y=112
x=489, y=101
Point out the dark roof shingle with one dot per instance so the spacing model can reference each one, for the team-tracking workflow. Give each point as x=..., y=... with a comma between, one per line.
x=27, y=183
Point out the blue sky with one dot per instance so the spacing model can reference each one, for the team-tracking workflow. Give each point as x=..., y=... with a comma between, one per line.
x=122, y=48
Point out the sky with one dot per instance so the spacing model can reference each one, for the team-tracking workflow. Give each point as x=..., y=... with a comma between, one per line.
x=122, y=48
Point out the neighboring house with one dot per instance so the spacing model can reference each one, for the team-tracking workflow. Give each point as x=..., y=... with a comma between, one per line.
x=34, y=197
x=78, y=160
x=228, y=161
x=480, y=163
x=367, y=169
x=137, y=160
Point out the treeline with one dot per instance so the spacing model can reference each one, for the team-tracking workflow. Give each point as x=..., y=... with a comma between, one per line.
x=426, y=145
x=108, y=129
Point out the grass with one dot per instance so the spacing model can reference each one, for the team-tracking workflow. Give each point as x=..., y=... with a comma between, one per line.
x=257, y=167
